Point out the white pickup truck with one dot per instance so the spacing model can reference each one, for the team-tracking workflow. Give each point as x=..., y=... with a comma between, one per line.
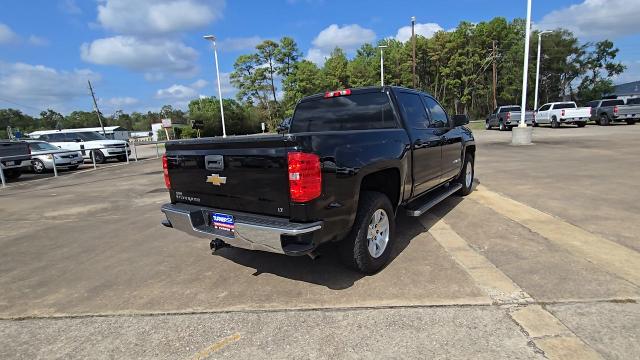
x=566, y=112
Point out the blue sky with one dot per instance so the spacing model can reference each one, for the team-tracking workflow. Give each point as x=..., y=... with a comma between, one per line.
x=141, y=54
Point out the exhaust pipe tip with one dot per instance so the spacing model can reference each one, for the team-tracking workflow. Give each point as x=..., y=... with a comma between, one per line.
x=217, y=244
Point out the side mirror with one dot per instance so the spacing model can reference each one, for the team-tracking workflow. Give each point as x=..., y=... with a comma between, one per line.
x=460, y=120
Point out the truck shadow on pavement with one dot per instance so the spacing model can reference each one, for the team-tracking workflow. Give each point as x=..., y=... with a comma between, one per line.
x=327, y=269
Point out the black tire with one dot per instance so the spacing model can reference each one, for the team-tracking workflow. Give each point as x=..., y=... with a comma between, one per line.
x=604, y=120
x=502, y=126
x=12, y=174
x=122, y=158
x=353, y=249
x=535, y=124
x=99, y=156
x=631, y=122
x=554, y=123
x=38, y=167
x=467, y=188
x=581, y=124
x=487, y=126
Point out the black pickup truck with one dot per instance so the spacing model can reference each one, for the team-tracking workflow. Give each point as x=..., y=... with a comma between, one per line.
x=351, y=160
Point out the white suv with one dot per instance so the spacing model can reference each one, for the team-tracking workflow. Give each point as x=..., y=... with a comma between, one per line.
x=88, y=143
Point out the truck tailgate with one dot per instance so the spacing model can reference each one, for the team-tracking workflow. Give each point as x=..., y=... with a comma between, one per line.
x=245, y=173
x=581, y=112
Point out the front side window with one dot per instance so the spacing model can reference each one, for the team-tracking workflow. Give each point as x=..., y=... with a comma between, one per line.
x=439, y=117
x=413, y=110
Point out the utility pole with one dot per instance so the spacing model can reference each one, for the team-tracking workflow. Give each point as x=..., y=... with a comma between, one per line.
x=413, y=40
x=95, y=107
x=495, y=76
x=381, y=47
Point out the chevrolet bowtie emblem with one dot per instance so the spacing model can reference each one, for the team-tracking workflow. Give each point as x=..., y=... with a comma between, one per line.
x=216, y=179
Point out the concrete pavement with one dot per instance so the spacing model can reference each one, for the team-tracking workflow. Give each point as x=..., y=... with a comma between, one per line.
x=87, y=272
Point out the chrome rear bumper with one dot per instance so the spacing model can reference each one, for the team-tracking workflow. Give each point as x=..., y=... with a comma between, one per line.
x=252, y=232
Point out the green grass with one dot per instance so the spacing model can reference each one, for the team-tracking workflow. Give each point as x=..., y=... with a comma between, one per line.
x=476, y=125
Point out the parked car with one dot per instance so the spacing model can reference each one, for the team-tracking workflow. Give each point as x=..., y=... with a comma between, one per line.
x=19, y=158
x=89, y=143
x=558, y=113
x=606, y=111
x=352, y=160
x=506, y=117
x=43, y=160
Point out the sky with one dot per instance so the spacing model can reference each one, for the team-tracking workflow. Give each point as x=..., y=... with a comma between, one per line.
x=142, y=54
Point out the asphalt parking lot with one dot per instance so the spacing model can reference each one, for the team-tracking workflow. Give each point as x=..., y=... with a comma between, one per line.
x=541, y=260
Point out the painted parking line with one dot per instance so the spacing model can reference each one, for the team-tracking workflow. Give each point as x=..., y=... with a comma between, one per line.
x=218, y=345
x=608, y=255
x=543, y=328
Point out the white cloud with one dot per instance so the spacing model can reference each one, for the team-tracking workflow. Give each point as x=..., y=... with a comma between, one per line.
x=122, y=101
x=596, y=19
x=70, y=7
x=239, y=44
x=176, y=92
x=6, y=34
x=157, y=16
x=348, y=37
x=199, y=84
x=40, y=86
x=150, y=56
x=427, y=30
x=38, y=41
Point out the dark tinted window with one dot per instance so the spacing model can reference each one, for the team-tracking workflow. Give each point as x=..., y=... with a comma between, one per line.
x=564, y=106
x=89, y=136
x=505, y=109
x=57, y=137
x=349, y=112
x=545, y=107
x=592, y=104
x=439, y=117
x=633, y=101
x=413, y=110
x=613, y=102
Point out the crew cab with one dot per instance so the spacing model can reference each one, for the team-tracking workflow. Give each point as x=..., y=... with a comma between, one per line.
x=506, y=117
x=14, y=158
x=351, y=160
x=89, y=143
x=606, y=111
x=558, y=113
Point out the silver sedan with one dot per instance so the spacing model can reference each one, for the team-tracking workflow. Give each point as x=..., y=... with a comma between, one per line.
x=43, y=161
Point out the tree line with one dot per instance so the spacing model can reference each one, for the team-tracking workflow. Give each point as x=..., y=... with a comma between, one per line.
x=455, y=66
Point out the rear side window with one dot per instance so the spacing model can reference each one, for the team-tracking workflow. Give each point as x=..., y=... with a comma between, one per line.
x=348, y=112
x=592, y=104
x=413, y=110
x=613, y=102
x=545, y=107
x=564, y=106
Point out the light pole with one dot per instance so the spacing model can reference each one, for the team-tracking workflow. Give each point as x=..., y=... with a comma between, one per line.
x=535, y=96
x=521, y=135
x=381, y=47
x=215, y=55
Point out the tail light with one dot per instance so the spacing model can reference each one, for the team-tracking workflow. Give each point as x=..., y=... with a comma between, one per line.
x=330, y=94
x=562, y=113
x=305, y=180
x=508, y=116
x=615, y=110
x=165, y=171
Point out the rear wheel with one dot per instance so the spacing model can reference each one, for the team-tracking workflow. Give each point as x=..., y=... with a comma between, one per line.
x=631, y=122
x=554, y=122
x=38, y=166
x=12, y=174
x=368, y=246
x=502, y=126
x=604, y=120
x=466, y=176
x=487, y=125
